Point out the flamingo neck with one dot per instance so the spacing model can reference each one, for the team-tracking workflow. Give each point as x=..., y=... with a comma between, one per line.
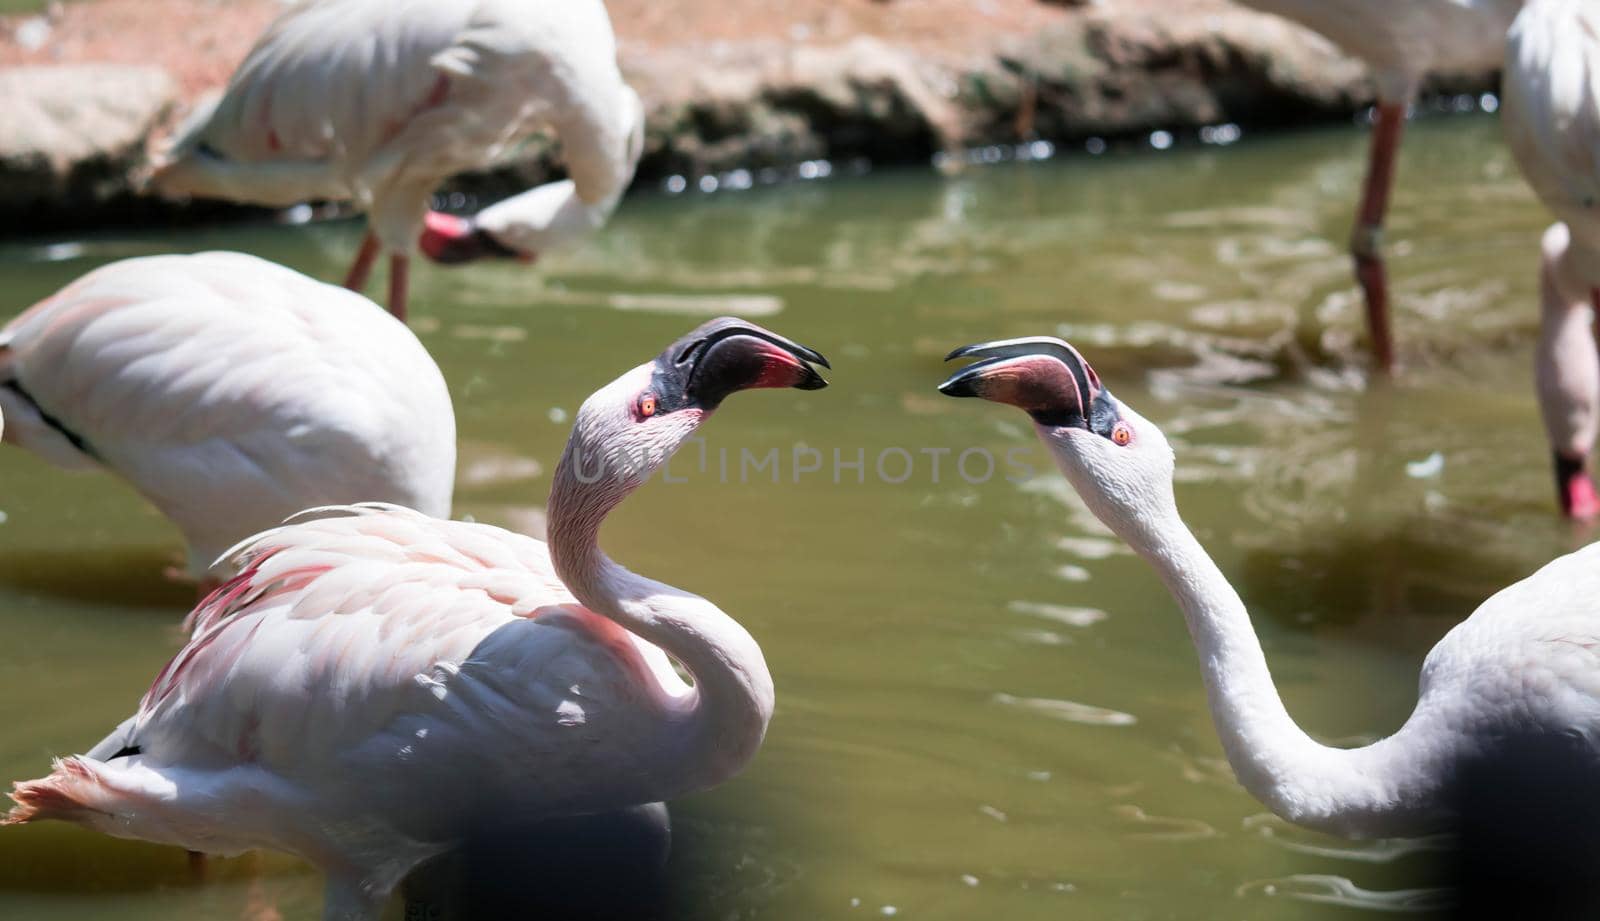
x=1391, y=787
x=728, y=709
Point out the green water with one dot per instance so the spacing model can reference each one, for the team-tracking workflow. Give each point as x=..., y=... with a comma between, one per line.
x=986, y=707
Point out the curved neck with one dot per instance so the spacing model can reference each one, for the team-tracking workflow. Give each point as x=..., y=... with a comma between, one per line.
x=1392, y=787
x=732, y=698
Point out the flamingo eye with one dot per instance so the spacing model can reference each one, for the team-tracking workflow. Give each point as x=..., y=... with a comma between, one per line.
x=647, y=406
x=1122, y=433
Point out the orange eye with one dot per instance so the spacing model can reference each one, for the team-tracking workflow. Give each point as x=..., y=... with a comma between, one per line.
x=1122, y=434
x=647, y=406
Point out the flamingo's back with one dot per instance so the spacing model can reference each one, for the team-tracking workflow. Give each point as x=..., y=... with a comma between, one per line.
x=231, y=392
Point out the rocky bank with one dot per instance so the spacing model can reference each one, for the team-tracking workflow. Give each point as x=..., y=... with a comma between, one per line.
x=737, y=85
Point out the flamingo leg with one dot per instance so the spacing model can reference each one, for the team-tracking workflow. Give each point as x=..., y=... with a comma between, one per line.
x=1366, y=243
x=361, y=269
x=258, y=902
x=1567, y=374
x=399, y=285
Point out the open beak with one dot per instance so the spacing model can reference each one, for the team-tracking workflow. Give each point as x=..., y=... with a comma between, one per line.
x=728, y=355
x=451, y=240
x=1042, y=375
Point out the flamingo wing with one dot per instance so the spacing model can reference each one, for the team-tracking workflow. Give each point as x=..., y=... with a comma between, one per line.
x=340, y=629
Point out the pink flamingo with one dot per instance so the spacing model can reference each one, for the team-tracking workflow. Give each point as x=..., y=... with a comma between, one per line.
x=231, y=392
x=1522, y=665
x=378, y=101
x=377, y=684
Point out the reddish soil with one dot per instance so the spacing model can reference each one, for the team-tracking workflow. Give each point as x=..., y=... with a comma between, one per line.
x=200, y=41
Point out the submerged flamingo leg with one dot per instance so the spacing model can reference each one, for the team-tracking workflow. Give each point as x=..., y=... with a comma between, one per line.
x=399, y=285
x=1366, y=243
x=361, y=269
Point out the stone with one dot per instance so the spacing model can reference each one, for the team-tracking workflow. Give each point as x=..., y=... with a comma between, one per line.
x=73, y=137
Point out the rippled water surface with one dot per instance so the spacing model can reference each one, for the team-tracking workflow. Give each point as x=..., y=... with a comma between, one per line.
x=986, y=706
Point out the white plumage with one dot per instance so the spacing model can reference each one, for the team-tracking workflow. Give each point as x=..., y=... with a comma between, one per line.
x=1402, y=41
x=1552, y=122
x=1405, y=40
x=229, y=391
x=377, y=684
x=1525, y=664
x=378, y=101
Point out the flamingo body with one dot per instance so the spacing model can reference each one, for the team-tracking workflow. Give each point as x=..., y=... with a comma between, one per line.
x=1404, y=40
x=231, y=392
x=447, y=658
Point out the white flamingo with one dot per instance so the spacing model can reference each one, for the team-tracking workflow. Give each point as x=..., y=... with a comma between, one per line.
x=1525, y=662
x=229, y=391
x=377, y=684
x=1402, y=41
x=378, y=101
x=1552, y=122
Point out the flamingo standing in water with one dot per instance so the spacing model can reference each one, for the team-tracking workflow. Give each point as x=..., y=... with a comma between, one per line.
x=1552, y=122
x=378, y=101
x=231, y=392
x=1525, y=663
x=377, y=684
x=1402, y=41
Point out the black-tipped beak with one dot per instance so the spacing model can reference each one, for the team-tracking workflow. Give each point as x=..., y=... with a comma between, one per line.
x=1044, y=376
x=450, y=240
x=727, y=355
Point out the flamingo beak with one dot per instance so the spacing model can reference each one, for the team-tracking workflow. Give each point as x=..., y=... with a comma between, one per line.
x=451, y=240
x=1043, y=376
x=727, y=355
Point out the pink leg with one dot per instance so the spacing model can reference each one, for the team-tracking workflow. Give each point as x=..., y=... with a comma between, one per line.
x=399, y=284
x=1366, y=244
x=1574, y=484
x=361, y=269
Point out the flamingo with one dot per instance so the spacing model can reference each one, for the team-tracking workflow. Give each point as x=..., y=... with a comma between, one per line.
x=1552, y=123
x=1402, y=41
x=1524, y=663
x=229, y=391
x=377, y=683
x=378, y=101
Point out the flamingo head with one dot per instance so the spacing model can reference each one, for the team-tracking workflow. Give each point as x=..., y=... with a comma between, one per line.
x=1119, y=462
x=451, y=240
x=632, y=426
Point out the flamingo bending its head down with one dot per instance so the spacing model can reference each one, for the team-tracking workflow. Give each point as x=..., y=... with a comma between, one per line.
x=378, y=684
x=1402, y=41
x=1552, y=122
x=378, y=101
x=231, y=392
x=1525, y=663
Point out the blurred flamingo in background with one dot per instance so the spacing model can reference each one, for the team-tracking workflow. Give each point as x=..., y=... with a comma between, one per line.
x=1402, y=41
x=231, y=392
x=379, y=101
x=378, y=684
x=1552, y=122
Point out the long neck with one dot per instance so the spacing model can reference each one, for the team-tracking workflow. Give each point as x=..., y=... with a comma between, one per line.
x=1391, y=787
x=732, y=699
